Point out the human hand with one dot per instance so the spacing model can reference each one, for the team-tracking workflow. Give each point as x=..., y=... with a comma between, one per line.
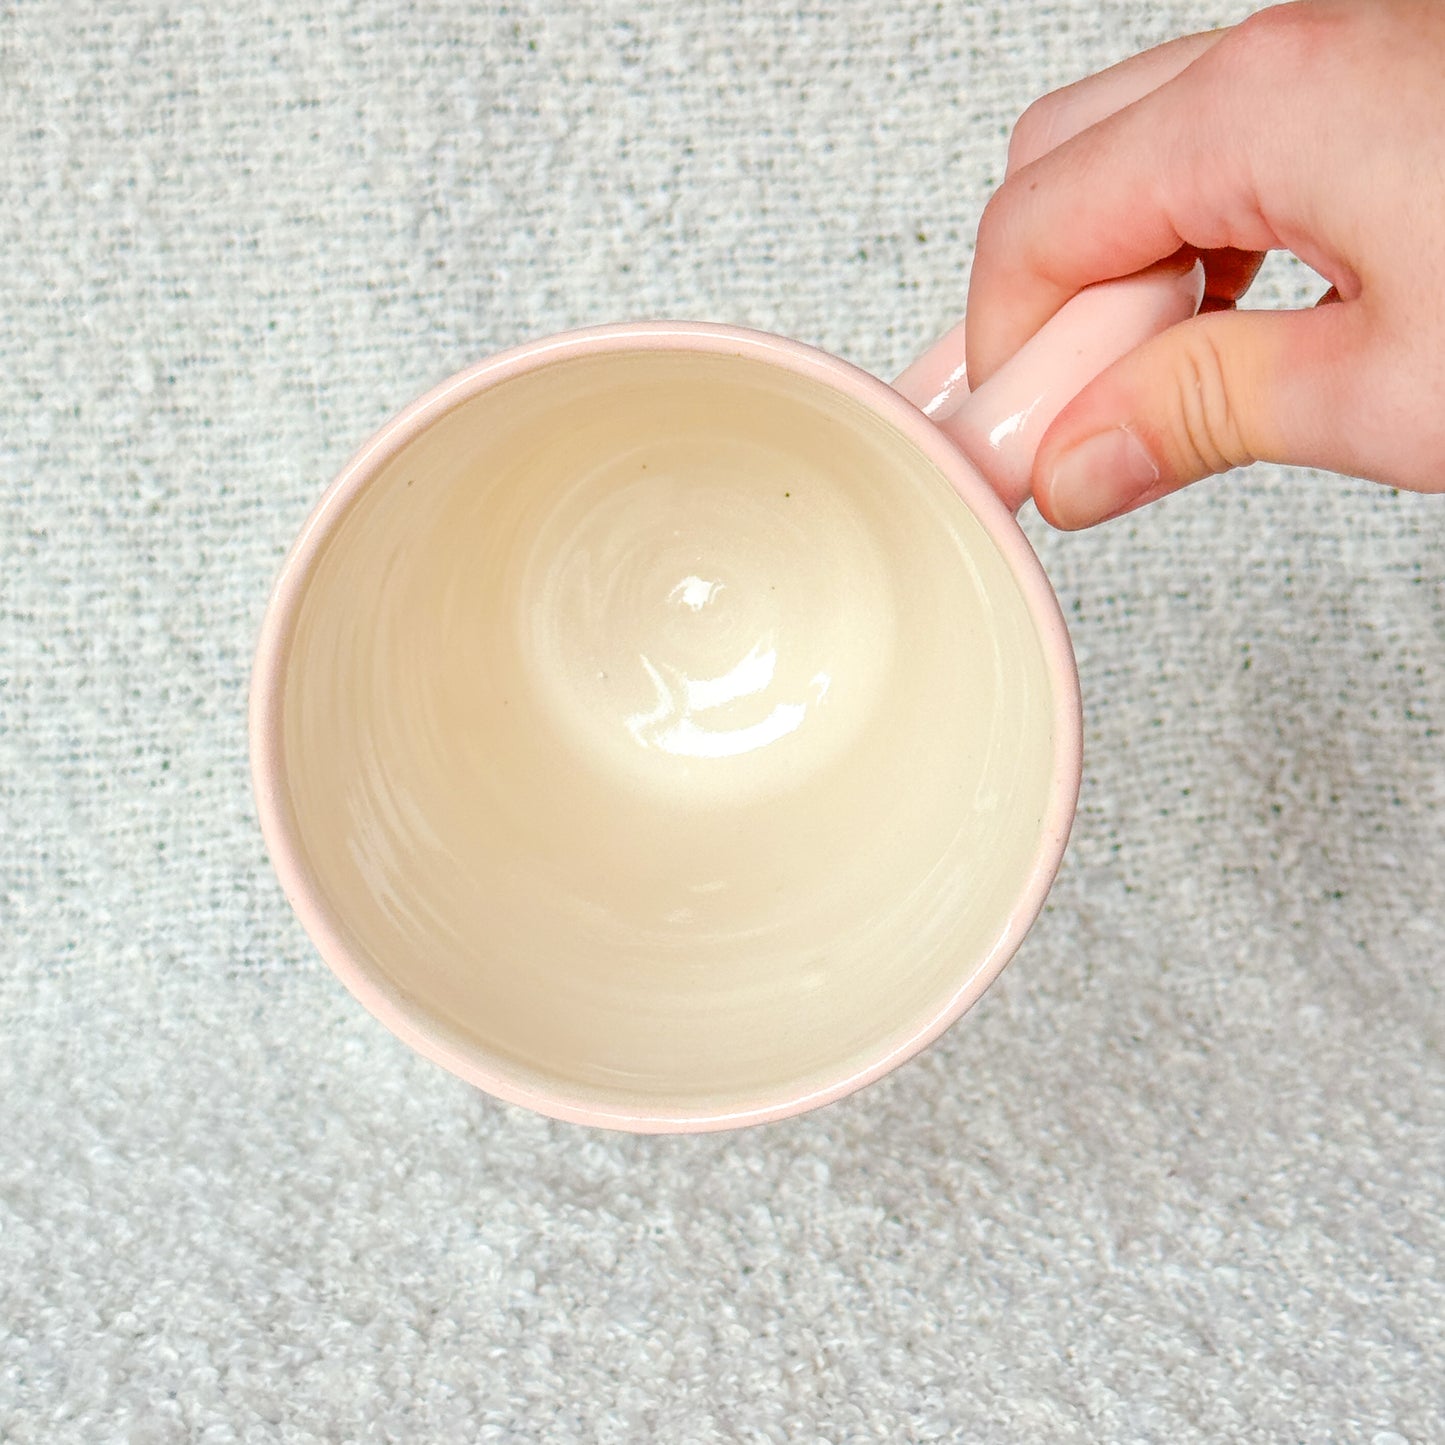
x=1316, y=127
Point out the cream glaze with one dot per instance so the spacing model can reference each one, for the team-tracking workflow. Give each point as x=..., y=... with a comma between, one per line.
x=660, y=724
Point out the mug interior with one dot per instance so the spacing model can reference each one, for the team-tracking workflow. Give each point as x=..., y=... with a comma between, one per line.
x=660, y=739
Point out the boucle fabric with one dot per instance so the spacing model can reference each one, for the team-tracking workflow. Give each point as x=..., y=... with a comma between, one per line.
x=1181, y=1176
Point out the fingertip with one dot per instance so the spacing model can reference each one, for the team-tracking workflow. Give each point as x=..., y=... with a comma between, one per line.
x=1095, y=478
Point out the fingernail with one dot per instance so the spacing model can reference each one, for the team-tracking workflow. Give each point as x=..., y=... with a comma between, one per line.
x=1098, y=478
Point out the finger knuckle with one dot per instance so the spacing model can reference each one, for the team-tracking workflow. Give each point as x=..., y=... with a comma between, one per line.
x=1009, y=237
x=1282, y=43
x=1209, y=432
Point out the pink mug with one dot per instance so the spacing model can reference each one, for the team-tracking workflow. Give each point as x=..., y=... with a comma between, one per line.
x=668, y=726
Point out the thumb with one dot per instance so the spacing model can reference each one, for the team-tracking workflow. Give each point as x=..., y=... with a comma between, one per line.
x=1220, y=391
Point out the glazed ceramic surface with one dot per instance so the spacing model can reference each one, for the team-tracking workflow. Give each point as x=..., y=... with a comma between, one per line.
x=666, y=727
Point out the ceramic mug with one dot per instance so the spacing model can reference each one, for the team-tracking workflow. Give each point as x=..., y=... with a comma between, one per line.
x=668, y=726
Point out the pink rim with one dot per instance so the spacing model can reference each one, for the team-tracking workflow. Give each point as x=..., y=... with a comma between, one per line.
x=268, y=766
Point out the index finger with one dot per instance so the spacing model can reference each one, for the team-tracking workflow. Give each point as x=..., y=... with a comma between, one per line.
x=1158, y=174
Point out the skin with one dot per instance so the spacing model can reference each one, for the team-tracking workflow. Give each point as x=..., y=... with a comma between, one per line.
x=1317, y=128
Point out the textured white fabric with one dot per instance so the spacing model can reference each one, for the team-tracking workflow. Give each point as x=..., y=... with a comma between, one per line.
x=1178, y=1178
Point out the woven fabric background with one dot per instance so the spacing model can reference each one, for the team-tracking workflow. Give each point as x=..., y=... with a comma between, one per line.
x=1180, y=1177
